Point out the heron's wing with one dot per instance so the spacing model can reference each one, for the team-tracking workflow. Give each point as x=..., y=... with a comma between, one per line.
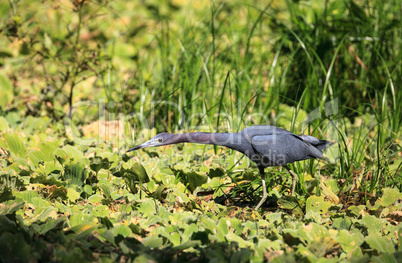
x=261, y=130
x=280, y=149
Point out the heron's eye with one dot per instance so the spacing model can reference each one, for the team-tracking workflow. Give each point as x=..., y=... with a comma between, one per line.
x=160, y=140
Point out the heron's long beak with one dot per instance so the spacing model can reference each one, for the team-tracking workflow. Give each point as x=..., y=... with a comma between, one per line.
x=144, y=145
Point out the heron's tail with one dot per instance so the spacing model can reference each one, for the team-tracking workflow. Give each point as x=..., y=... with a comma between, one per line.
x=323, y=144
x=319, y=144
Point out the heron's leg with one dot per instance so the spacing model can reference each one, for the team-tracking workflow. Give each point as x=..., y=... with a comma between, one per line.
x=264, y=189
x=294, y=180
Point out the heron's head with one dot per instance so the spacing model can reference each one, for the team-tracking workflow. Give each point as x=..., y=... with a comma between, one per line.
x=159, y=140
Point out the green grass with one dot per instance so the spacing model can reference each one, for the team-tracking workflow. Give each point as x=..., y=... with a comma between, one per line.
x=68, y=191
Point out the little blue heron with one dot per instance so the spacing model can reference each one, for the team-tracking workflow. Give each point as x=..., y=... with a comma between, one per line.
x=265, y=145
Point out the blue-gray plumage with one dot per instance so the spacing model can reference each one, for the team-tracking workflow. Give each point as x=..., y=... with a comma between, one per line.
x=265, y=145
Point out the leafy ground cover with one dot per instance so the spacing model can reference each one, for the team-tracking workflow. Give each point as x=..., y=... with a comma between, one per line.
x=63, y=202
x=69, y=192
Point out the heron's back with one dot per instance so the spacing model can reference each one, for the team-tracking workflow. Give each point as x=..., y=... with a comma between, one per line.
x=274, y=146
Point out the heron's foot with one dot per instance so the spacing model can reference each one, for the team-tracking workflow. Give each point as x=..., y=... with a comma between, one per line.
x=264, y=195
x=294, y=180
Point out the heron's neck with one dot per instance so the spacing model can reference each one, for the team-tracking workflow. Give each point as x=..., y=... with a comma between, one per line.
x=231, y=140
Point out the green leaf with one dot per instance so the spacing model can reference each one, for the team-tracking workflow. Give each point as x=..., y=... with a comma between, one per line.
x=100, y=211
x=48, y=43
x=51, y=224
x=216, y=172
x=195, y=179
x=232, y=237
x=188, y=244
x=6, y=88
x=317, y=204
x=35, y=125
x=97, y=163
x=13, y=118
x=83, y=227
x=76, y=174
x=349, y=241
x=72, y=195
x=37, y=156
x=95, y=199
x=292, y=204
x=105, y=190
x=374, y=225
x=222, y=229
x=389, y=197
x=27, y=196
x=342, y=223
x=357, y=210
x=306, y=253
x=152, y=242
x=48, y=180
x=3, y=124
x=81, y=220
x=309, y=233
x=140, y=172
x=69, y=152
x=191, y=179
x=387, y=258
x=274, y=217
x=88, y=189
x=10, y=207
x=14, y=144
x=380, y=243
x=147, y=207
x=132, y=176
x=44, y=212
x=123, y=230
x=39, y=202
x=21, y=162
x=174, y=238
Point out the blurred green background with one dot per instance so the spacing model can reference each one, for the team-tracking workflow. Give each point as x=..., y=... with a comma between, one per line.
x=206, y=57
